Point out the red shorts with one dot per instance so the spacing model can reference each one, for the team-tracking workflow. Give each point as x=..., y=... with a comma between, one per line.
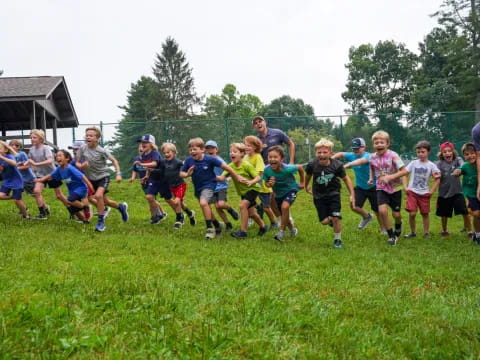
x=179, y=191
x=416, y=201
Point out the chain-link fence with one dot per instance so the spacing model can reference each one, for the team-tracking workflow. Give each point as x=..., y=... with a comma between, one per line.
x=405, y=130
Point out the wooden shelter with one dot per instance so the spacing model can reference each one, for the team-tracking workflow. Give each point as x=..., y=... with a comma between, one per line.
x=38, y=102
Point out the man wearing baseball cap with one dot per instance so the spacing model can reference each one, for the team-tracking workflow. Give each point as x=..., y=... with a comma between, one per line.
x=363, y=190
x=271, y=137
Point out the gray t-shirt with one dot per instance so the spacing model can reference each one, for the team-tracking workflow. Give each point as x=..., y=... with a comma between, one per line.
x=449, y=184
x=97, y=161
x=40, y=154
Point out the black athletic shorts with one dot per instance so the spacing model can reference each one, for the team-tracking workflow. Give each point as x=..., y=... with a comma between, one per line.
x=361, y=195
x=393, y=200
x=329, y=205
x=446, y=206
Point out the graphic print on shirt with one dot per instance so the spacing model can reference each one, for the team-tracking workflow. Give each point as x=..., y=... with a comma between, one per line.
x=325, y=179
x=420, y=178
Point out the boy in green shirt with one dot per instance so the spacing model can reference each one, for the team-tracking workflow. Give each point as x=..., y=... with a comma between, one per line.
x=247, y=188
x=469, y=185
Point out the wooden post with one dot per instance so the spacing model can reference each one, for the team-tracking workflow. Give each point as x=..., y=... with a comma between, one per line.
x=55, y=131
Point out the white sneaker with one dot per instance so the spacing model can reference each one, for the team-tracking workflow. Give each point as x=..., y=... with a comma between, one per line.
x=280, y=236
x=210, y=234
x=294, y=232
x=365, y=221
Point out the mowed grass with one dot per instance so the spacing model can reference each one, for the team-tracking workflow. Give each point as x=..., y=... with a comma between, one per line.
x=140, y=290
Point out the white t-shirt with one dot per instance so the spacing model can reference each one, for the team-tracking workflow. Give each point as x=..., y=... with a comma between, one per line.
x=420, y=173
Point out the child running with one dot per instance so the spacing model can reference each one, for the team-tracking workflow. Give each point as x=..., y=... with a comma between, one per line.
x=77, y=184
x=247, y=190
x=385, y=162
x=177, y=185
x=220, y=192
x=418, y=190
x=40, y=157
x=201, y=168
x=12, y=179
x=281, y=177
x=27, y=174
x=253, y=148
x=326, y=173
x=469, y=186
x=96, y=169
x=450, y=197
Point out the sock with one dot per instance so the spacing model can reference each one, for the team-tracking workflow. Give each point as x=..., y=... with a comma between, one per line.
x=216, y=223
x=179, y=217
x=337, y=236
x=209, y=223
x=390, y=232
x=188, y=211
x=398, y=226
x=101, y=217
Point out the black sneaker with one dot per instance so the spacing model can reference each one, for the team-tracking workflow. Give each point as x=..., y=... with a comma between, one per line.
x=177, y=225
x=239, y=234
x=41, y=216
x=155, y=219
x=47, y=210
x=411, y=235
x=233, y=214
x=337, y=244
x=262, y=230
x=192, y=219
x=228, y=226
x=218, y=230
x=393, y=240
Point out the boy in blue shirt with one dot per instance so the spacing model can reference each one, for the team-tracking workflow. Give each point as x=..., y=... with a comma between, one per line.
x=363, y=190
x=27, y=174
x=201, y=168
x=281, y=177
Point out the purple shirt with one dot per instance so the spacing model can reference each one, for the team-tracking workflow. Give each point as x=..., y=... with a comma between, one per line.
x=273, y=137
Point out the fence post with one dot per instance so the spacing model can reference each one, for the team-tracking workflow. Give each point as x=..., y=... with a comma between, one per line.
x=101, y=129
x=227, y=134
x=73, y=135
x=165, y=130
x=341, y=133
x=23, y=140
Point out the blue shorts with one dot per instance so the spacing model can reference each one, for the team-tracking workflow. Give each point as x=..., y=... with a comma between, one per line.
x=265, y=199
x=289, y=198
x=158, y=187
x=16, y=193
x=73, y=196
x=473, y=204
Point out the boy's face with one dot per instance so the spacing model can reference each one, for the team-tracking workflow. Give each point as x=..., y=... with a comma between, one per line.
x=236, y=155
x=248, y=148
x=381, y=145
x=91, y=138
x=35, y=139
x=211, y=150
x=422, y=154
x=359, y=151
x=323, y=154
x=470, y=156
x=146, y=147
x=61, y=159
x=275, y=160
x=196, y=153
x=447, y=154
x=168, y=154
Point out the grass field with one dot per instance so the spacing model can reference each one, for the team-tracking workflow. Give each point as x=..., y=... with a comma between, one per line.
x=141, y=290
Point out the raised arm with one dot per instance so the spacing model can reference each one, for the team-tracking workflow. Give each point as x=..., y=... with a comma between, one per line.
x=291, y=148
x=10, y=162
x=338, y=155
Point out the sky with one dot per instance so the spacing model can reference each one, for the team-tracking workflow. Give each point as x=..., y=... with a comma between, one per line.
x=266, y=48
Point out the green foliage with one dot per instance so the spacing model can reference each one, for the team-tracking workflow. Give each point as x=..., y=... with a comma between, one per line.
x=305, y=140
x=288, y=113
x=146, y=291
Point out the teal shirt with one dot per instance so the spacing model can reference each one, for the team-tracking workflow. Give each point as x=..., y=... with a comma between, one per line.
x=284, y=179
x=469, y=181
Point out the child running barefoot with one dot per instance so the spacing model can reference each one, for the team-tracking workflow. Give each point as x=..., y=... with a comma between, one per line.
x=77, y=184
x=326, y=173
x=12, y=179
x=220, y=192
x=281, y=177
x=470, y=184
x=178, y=186
x=41, y=159
x=95, y=167
x=201, y=168
x=418, y=191
x=246, y=189
x=450, y=197
x=385, y=162
x=253, y=148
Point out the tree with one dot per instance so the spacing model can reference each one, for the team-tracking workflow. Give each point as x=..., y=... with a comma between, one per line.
x=231, y=104
x=305, y=140
x=288, y=113
x=380, y=78
x=175, y=83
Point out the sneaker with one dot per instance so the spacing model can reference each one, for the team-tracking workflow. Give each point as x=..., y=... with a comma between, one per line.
x=384, y=232
x=294, y=232
x=47, y=210
x=100, y=225
x=393, y=240
x=426, y=236
x=365, y=221
x=156, y=219
x=398, y=231
x=337, y=244
x=26, y=217
x=411, y=235
x=41, y=216
x=210, y=234
x=280, y=236
x=192, y=219
x=228, y=226
x=218, y=230
x=445, y=234
x=177, y=225
x=123, y=208
x=239, y=234
x=471, y=234
x=274, y=226
x=163, y=216
x=233, y=214
x=88, y=213
x=262, y=230
x=106, y=212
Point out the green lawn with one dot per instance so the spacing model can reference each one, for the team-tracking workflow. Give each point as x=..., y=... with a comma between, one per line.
x=140, y=290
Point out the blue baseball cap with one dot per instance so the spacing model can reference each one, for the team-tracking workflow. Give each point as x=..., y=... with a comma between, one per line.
x=211, y=143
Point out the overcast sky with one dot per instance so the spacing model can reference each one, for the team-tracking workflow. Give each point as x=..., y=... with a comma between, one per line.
x=266, y=48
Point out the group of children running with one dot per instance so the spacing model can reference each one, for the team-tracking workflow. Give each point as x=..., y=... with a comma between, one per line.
x=379, y=177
